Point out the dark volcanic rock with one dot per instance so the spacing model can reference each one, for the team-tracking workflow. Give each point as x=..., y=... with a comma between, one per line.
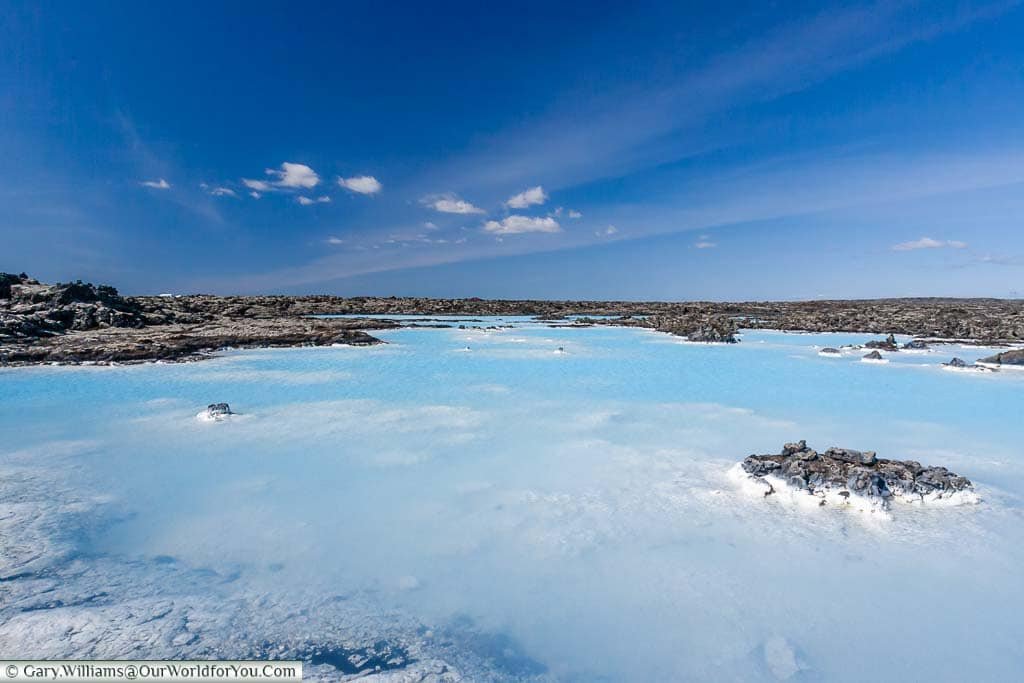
x=697, y=325
x=956, y=363
x=888, y=345
x=1015, y=357
x=860, y=472
x=217, y=411
x=829, y=351
x=874, y=355
x=916, y=345
x=78, y=322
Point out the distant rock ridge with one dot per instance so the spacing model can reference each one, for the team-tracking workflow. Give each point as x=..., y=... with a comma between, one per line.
x=849, y=471
x=82, y=323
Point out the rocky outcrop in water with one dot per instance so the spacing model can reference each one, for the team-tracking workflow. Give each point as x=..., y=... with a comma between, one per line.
x=1015, y=357
x=216, y=411
x=889, y=344
x=874, y=355
x=850, y=471
x=696, y=325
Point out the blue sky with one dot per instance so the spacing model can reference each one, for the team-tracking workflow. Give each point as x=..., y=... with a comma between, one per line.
x=537, y=149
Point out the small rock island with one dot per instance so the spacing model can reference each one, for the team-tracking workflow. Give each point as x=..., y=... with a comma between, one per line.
x=846, y=471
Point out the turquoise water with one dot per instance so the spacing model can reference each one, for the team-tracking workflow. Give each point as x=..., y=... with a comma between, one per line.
x=480, y=499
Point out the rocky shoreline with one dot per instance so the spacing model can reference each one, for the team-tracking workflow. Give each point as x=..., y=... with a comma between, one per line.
x=74, y=323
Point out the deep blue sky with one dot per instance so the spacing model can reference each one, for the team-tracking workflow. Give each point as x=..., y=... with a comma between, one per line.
x=699, y=150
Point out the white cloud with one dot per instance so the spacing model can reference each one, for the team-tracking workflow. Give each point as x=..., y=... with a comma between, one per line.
x=575, y=214
x=430, y=225
x=294, y=175
x=334, y=240
x=255, y=195
x=531, y=197
x=364, y=184
x=223, y=192
x=451, y=204
x=929, y=243
x=705, y=245
x=306, y=201
x=289, y=177
x=160, y=184
x=513, y=225
x=607, y=232
x=258, y=185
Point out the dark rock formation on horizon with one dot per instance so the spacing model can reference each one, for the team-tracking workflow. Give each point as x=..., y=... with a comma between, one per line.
x=77, y=322
x=82, y=323
x=851, y=471
x=34, y=309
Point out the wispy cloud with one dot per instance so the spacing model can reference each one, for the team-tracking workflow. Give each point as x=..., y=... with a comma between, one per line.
x=160, y=184
x=364, y=184
x=306, y=201
x=218, y=191
x=257, y=185
x=575, y=214
x=607, y=232
x=514, y=225
x=450, y=203
x=334, y=241
x=534, y=196
x=929, y=243
x=586, y=140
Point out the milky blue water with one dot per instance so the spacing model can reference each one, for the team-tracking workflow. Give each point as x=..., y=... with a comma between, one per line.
x=482, y=500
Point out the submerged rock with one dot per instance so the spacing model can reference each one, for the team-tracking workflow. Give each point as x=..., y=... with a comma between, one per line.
x=829, y=351
x=956, y=363
x=916, y=345
x=845, y=470
x=874, y=355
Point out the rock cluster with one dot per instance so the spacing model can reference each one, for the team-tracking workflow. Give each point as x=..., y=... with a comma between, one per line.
x=1015, y=357
x=32, y=309
x=697, y=325
x=216, y=411
x=83, y=323
x=889, y=344
x=850, y=471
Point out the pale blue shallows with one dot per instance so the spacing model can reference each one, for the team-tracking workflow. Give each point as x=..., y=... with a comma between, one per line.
x=577, y=502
